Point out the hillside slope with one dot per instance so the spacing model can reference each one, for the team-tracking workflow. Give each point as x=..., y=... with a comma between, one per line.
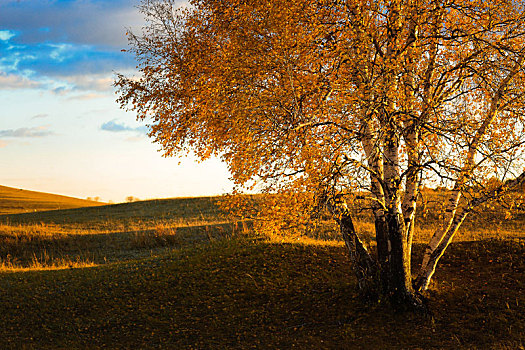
x=250, y=293
x=14, y=201
x=198, y=210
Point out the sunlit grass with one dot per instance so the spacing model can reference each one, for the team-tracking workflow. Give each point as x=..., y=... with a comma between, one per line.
x=44, y=262
x=178, y=273
x=53, y=246
x=98, y=235
x=14, y=201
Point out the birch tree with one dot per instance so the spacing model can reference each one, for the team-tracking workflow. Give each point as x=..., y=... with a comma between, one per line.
x=328, y=99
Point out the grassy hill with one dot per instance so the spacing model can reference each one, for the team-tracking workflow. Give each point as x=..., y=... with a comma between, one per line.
x=98, y=234
x=175, y=273
x=246, y=293
x=13, y=200
x=182, y=211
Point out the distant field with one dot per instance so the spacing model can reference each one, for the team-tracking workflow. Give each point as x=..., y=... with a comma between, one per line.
x=13, y=201
x=107, y=233
x=179, y=210
x=177, y=273
x=98, y=233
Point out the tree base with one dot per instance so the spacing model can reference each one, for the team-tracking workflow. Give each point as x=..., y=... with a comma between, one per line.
x=409, y=302
x=401, y=302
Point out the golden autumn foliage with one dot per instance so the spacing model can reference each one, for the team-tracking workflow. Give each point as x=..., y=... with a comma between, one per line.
x=320, y=101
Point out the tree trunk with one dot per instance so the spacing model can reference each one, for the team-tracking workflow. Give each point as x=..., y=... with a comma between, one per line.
x=427, y=271
x=383, y=248
x=443, y=236
x=388, y=277
x=396, y=278
x=431, y=258
x=393, y=248
x=363, y=264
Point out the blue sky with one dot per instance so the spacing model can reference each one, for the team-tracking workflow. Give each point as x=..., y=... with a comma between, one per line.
x=61, y=130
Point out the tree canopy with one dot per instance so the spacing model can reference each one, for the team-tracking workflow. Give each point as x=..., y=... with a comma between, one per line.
x=323, y=100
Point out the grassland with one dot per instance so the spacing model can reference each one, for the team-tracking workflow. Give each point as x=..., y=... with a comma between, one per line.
x=101, y=234
x=175, y=273
x=14, y=201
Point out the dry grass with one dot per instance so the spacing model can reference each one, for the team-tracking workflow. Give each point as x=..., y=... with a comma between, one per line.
x=109, y=233
x=14, y=201
x=176, y=274
x=105, y=234
x=250, y=293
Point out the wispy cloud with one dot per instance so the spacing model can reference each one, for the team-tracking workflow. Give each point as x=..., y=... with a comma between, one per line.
x=86, y=97
x=134, y=139
x=39, y=131
x=115, y=126
x=70, y=44
x=91, y=82
x=82, y=66
x=91, y=22
x=6, y=35
x=38, y=116
x=15, y=82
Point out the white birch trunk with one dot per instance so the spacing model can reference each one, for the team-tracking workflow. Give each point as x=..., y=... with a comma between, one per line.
x=411, y=188
x=375, y=163
x=443, y=236
x=435, y=240
x=363, y=265
x=424, y=279
x=412, y=143
x=426, y=274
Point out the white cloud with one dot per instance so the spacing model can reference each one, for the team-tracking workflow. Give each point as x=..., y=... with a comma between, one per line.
x=60, y=51
x=15, y=81
x=134, y=139
x=41, y=115
x=3, y=144
x=115, y=126
x=39, y=131
x=5, y=35
x=87, y=96
x=93, y=82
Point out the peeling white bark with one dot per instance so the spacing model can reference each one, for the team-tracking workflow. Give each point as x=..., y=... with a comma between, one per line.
x=437, y=237
x=424, y=278
x=411, y=187
x=375, y=163
x=363, y=264
x=392, y=180
x=433, y=258
x=453, y=219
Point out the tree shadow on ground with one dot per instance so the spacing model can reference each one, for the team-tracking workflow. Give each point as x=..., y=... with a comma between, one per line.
x=243, y=293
